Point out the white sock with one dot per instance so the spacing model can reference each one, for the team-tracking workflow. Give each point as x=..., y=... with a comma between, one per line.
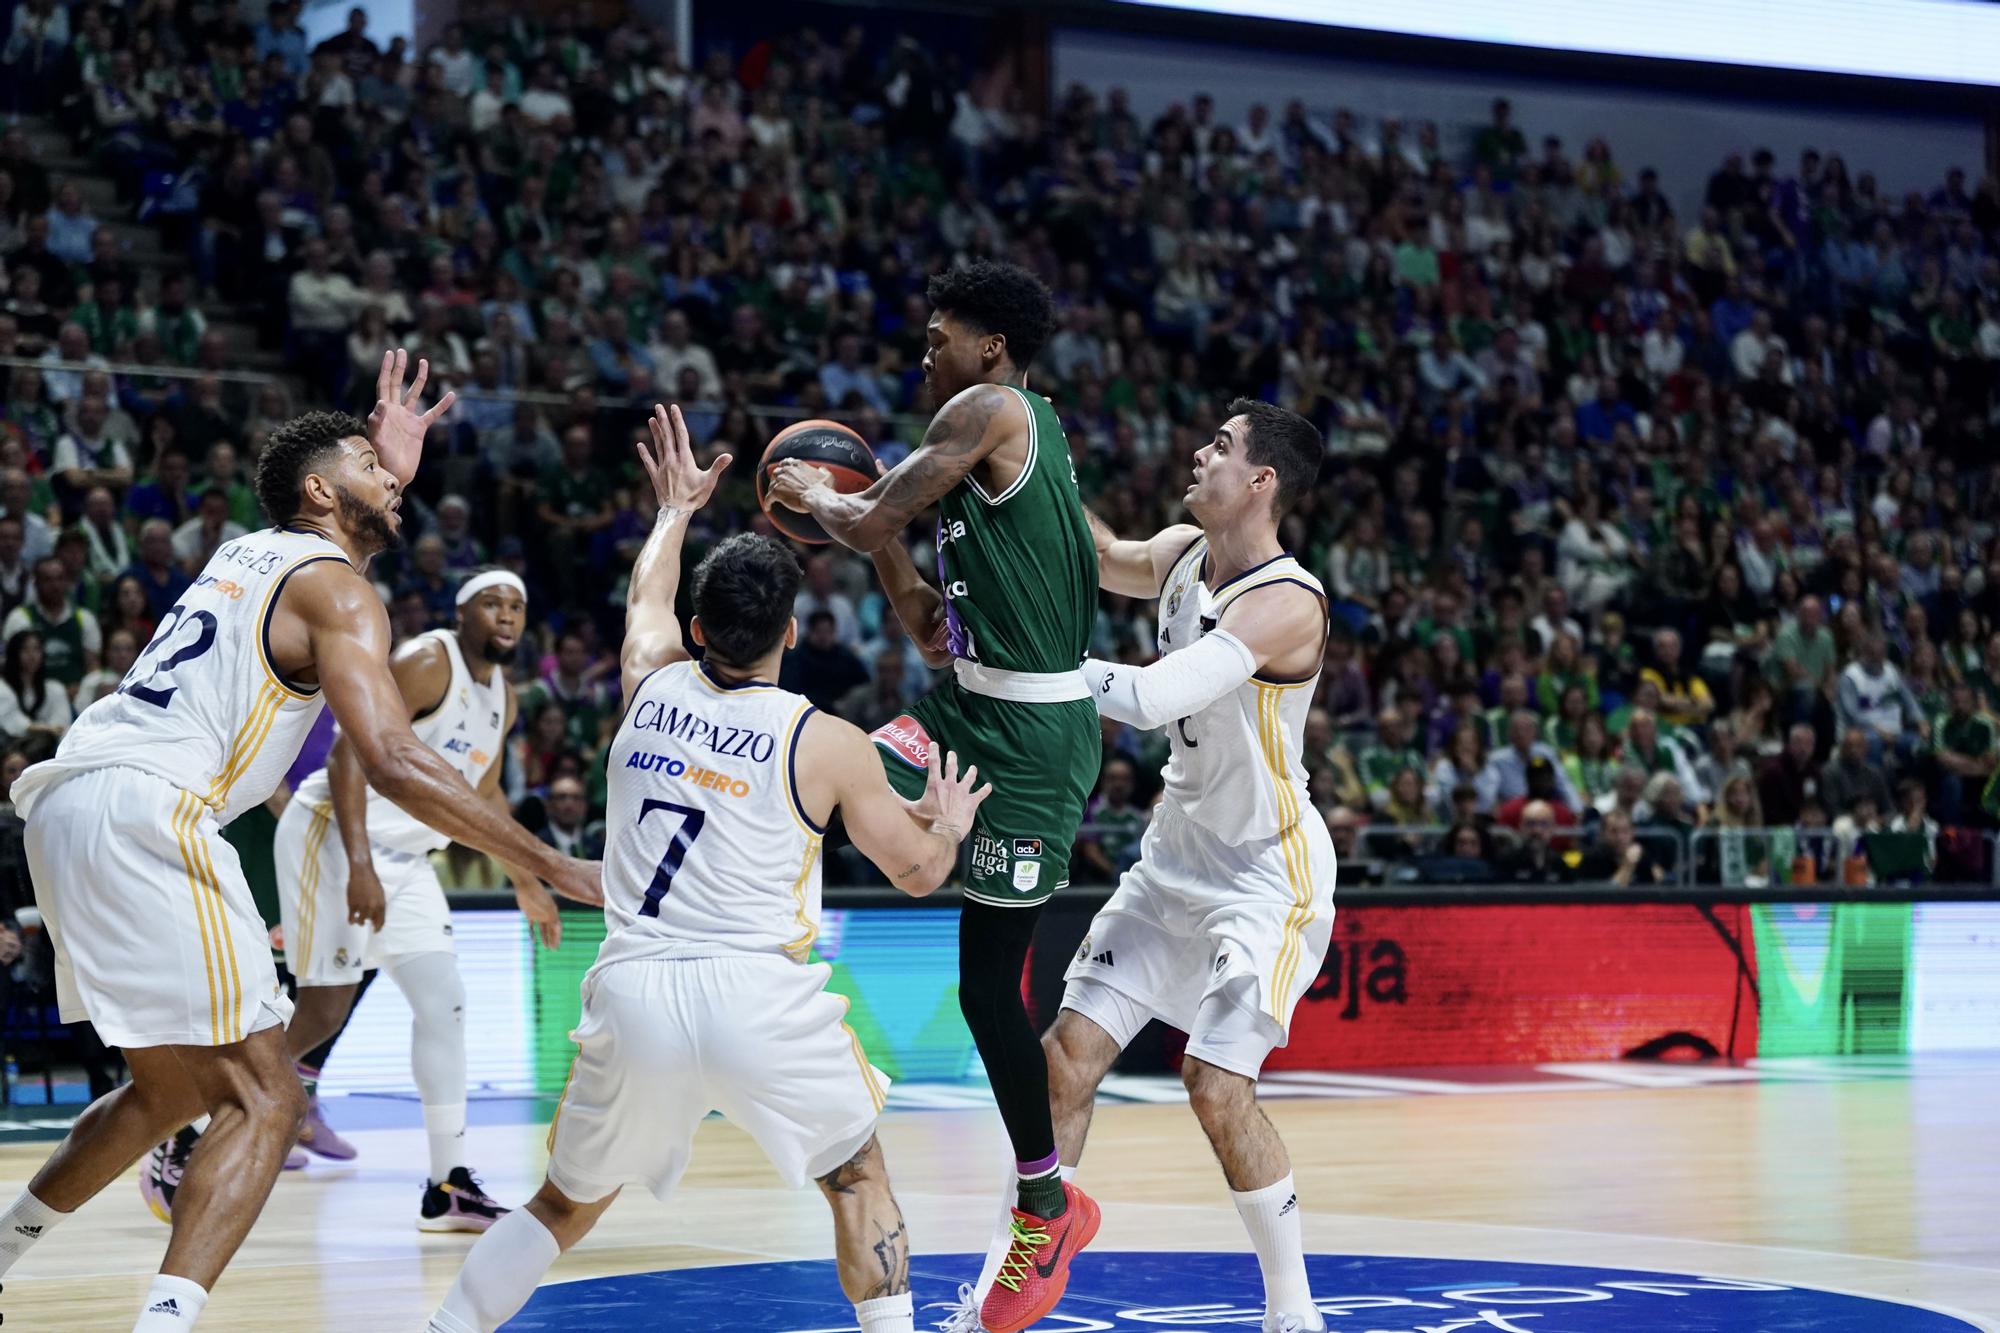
x=1003, y=1236
x=172, y=1306
x=1271, y=1216
x=444, y=1126
x=22, y=1225
x=200, y=1124
x=500, y=1273
x=886, y=1314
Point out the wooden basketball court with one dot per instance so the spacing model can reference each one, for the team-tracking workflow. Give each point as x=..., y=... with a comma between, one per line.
x=1882, y=1186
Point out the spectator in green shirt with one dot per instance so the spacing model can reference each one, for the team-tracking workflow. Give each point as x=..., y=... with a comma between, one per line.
x=1389, y=755
x=1802, y=661
x=225, y=473
x=1962, y=743
x=576, y=503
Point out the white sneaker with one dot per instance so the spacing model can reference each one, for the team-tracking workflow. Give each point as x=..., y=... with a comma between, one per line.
x=1292, y=1323
x=962, y=1315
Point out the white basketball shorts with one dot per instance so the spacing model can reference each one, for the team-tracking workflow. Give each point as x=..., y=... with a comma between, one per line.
x=322, y=947
x=662, y=1043
x=1219, y=941
x=157, y=940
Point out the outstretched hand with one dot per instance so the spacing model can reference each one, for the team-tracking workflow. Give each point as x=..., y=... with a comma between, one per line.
x=678, y=481
x=950, y=800
x=396, y=428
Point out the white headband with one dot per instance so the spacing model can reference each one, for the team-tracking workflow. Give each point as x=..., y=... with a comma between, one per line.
x=492, y=578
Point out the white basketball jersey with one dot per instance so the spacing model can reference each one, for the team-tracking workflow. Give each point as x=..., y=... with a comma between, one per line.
x=467, y=728
x=1236, y=767
x=202, y=706
x=707, y=850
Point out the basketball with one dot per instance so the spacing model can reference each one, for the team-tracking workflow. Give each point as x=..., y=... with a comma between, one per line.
x=826, y=444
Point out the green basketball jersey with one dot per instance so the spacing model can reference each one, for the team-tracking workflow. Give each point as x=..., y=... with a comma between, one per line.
x=1019, y=569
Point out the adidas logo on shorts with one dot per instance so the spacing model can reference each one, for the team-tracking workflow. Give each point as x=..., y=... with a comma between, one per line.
x=1104, y=958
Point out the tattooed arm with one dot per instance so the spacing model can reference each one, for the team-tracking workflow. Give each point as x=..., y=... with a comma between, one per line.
x=966, y=430
x=918, y=605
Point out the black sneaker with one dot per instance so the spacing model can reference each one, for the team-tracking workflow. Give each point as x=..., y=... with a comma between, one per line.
x=459, y=1204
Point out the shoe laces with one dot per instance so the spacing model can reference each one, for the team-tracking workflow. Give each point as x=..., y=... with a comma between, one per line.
x=961, y=1315
x=1020, y=1260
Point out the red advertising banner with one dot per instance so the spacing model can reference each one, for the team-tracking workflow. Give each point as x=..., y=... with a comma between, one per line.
x=1467, y=985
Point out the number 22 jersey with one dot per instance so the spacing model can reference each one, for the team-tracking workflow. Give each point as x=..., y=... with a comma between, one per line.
x=707, y=849
x=203, y=706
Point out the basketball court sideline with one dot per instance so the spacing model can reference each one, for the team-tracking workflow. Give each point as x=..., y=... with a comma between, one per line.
x=1789, y=1194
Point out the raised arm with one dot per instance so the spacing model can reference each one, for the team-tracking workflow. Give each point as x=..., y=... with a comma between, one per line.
x=652, y=629
x=1279, y=628
x=348, y=634
x=965, y=430
x=396, y=428
x=1138, y=568
x=914, y=842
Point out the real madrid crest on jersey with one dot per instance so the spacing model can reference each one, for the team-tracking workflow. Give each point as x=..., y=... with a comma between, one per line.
x=1174, y=601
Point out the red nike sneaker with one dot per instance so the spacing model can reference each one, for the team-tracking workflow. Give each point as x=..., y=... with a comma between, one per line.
x=1035, y=1272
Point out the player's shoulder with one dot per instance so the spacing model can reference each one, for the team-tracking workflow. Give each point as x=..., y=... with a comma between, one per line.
x=985, y=405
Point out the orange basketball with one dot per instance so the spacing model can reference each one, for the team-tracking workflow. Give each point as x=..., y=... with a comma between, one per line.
x=825, y=444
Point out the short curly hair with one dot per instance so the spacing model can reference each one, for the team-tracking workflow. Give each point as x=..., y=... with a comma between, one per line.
x=292, y=452
x=743, y=592
x=997, y=298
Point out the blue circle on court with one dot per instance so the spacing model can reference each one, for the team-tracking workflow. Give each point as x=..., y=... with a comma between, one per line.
x=1150, y=1291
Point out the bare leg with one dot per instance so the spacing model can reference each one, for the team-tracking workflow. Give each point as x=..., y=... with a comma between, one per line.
x=317, y=1014
x=1244, y=1139
x=567, y=1220
x=254, y=1104
x=1080, y=1054
x=870, y=1243
x=118, y=1128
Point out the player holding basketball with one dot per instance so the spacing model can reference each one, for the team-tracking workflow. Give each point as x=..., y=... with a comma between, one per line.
x=1222, y=924
x=157, y=940
x=1019, y=596
x=702, y=997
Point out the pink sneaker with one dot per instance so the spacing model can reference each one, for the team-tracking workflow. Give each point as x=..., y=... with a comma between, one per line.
x=316, y=1136
x=161, y=1174
x=459, y=1204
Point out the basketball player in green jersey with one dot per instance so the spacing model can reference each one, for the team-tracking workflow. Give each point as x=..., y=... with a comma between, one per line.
x=1017, y=569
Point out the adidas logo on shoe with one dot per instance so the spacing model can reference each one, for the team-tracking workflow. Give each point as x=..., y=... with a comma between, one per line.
x=1290, y=1204
x=1104, y=958
x=167, y=1306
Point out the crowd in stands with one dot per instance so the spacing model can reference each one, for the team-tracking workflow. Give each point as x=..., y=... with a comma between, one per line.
x=1636, y=520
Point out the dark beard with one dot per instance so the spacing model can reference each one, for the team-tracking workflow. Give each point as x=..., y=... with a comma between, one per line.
x=494, y=653
x=370, y=527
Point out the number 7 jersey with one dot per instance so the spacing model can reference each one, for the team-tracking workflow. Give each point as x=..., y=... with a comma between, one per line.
x=203, y=706
x=707, y=849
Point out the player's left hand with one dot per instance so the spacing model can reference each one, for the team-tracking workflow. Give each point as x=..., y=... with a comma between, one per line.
x=541, y=912
x=678, y=481
x=396, y=428
x=791, y=479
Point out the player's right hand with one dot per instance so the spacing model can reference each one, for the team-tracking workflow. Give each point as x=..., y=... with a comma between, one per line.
x=581, y=881
x=949, y=797
x=366, y=903
x=678, y=481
